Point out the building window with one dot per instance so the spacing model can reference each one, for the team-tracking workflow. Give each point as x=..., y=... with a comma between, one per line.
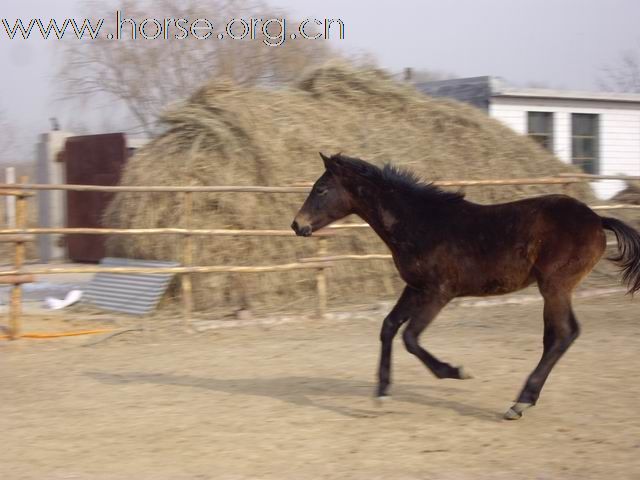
x=584, y=142
x=540, y=128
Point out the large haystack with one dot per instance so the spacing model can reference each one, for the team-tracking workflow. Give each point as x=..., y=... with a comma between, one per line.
x=225, y=135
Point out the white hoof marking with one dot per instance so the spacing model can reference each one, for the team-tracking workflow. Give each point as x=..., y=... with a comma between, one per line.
x=515, y=412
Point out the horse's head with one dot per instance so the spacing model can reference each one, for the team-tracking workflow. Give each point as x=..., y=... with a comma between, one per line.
x=327, y=202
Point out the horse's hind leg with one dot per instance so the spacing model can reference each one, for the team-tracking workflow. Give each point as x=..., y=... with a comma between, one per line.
x=560, y=330
x=416, y=326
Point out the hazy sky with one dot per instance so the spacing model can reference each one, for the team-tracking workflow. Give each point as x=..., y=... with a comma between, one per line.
x=561, y=43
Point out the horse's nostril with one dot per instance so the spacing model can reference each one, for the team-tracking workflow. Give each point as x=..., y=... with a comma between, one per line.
x=295, y=226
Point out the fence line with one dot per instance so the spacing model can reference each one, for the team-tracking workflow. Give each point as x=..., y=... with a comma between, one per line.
x=592, y=178
x=298, y=188
x=155, y=231
x=148, y=189
x=625, y=206
x=21, y=234
x=159, y=270
x=338, y=258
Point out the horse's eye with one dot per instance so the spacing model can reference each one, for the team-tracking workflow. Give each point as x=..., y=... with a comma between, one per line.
x=322, y=192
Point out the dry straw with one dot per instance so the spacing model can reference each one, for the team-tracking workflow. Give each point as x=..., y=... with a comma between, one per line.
x=228, y=135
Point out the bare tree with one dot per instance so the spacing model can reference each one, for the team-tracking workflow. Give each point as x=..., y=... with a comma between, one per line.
x=147, y=75
x=624, y=75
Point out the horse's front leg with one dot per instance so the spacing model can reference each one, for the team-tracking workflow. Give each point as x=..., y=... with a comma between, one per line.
x=411, y=304
x=429, y=308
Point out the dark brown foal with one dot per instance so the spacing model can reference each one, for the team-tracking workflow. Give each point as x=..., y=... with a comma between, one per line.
x=446, y=247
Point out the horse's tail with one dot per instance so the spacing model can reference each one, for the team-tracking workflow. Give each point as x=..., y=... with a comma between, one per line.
x=628, y=257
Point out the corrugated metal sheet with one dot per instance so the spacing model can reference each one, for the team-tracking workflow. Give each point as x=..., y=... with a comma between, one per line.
x=128, y=293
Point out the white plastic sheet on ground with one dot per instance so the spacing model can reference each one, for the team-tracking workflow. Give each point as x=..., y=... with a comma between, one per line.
x=72, y=297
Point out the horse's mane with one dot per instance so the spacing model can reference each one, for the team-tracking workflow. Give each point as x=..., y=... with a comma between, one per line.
x=399, y=179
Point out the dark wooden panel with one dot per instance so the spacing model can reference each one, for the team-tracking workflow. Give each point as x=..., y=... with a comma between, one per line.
x=91, y=160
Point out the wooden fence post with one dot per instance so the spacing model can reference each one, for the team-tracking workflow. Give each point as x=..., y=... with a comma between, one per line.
x=187, y=290
x=321, y=279
x=15, y=307
x=10, y=201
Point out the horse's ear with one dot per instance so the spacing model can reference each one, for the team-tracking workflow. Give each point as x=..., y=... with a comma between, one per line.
x=328, y=161
x=333, y=164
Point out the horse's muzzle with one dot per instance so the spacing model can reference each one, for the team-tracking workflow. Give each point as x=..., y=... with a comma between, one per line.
x=304, y=231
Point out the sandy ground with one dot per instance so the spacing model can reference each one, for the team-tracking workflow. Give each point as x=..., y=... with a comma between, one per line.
x=293, y=401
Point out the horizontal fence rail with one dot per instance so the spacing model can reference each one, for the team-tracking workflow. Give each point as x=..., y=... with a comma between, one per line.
x=11, y=192
x=625, y=206
x=18, y=188
x=156, y=231
x=594, y=178
x=159, y=270
x=338, y=258
x=20, y=235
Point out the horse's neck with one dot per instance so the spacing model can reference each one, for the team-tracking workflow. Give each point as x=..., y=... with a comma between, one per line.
x=384, y=217
x=403, y=223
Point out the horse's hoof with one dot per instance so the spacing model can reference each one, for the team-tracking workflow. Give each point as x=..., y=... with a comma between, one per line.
x=380, y=400
x=463, y=374
x=515, y=412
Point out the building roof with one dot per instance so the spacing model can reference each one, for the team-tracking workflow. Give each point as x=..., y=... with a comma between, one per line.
x=489, y=87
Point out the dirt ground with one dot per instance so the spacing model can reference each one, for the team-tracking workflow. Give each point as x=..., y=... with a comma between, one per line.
x=293, y=401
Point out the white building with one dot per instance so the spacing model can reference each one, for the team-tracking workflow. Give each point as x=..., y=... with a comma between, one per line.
x=600, y=132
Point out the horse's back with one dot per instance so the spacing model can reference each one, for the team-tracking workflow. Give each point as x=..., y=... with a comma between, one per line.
x=508, y=246
x=544, y=215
